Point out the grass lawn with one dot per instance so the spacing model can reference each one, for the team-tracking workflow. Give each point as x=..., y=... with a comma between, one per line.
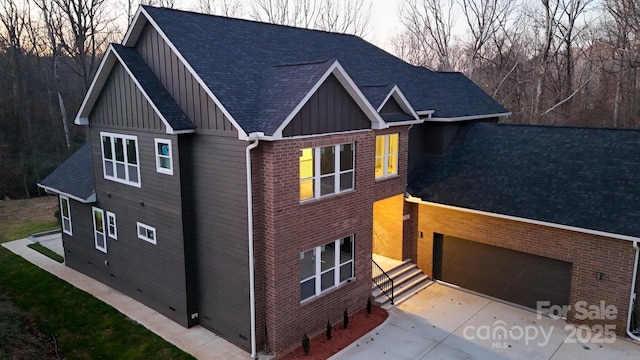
x=37, y=304
x=46, y=252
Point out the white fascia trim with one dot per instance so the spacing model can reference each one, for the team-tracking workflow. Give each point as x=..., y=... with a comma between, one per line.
x=82, y=118
x=242, y=135
x=425, y=112
x=134, y=29
x=50, y=190
x=416, y=200
x=401, y=100
x=350, y=86
x=471, y=117
x=408, y=122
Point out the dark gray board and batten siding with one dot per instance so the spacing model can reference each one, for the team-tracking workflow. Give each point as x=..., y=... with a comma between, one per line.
x=330, y=109
x=214, y=197
x=391, y=107
x=179, y=82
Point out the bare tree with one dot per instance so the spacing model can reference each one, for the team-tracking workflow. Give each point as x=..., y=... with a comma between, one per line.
x=345, y=16
x=231, y=8
x=301, y=13
x=430, y=23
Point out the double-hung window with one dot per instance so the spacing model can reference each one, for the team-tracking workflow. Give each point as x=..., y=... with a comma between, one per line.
x=98, y=230
x=164, y=158
x=386, y=155
x=325, y=267
x=326, y=170
x=120, y=158
x=65, y=215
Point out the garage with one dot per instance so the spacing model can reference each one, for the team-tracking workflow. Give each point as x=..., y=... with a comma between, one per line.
x=506, y=274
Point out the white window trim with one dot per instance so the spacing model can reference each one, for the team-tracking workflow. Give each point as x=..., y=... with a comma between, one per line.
x=148, y=228
x=337, y=265
x=113, y=151
x=114, y=234
x=62, y=217
x=159, y=168
x=336, y=172
x=95, y=229
x=385, y=157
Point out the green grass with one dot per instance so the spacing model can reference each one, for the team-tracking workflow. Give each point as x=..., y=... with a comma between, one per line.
x=46, y=252
x=85, y=327
x=13, y=231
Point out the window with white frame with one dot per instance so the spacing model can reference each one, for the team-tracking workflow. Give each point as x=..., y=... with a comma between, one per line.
x=112, y=228
x=326, y=170
x=325, y=267
x=65, y=215
x=98, y=229
x=164, y=157
x=120, y=158
x=386, y=155
x=147, y=233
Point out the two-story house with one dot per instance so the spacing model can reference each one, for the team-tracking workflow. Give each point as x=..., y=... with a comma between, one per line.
x=239, y=175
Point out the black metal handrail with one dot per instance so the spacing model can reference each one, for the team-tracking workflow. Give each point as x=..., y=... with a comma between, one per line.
x=383, y=281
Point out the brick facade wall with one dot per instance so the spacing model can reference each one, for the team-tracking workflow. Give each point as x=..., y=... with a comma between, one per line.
x=288, y=227
x=589, y=254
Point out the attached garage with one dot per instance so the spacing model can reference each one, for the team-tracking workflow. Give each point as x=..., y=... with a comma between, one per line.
x=506, y=274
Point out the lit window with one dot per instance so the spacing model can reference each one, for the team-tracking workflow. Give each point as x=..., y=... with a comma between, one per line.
x=164, y=157
x=386, y=155
x=112, y=228
x=147, y=233
x=324, y=267
x=98, y=230
x=326, y=170
x=120, y=158
x=65, y=215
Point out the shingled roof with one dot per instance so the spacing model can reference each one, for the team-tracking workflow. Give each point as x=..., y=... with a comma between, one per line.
x=581, y=177
x=74, y=178
x=235, y=58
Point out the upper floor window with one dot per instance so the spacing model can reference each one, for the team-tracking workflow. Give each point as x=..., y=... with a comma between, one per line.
x=65, y=215
x=120, y=158
x=326, y=266
x=326, y=170
x=146, y=233
x=386, y=155
x=164, y=157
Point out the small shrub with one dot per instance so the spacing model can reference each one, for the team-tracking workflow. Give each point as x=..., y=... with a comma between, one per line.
x=329, y=328
x=345, y=319
x=369, y=305
x=306, y=344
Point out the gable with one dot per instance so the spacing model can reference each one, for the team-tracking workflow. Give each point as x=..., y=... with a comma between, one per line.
x=330, y=109
x=190, y=96
x=391, y=107
x=122, y=104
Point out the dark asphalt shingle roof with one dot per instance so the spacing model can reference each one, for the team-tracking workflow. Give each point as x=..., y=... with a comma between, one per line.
x=582, y=177
x=74, y=176
x=232, y=57
x=161, y=98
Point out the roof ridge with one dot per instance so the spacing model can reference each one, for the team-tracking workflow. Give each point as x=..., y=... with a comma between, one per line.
x=303, y=63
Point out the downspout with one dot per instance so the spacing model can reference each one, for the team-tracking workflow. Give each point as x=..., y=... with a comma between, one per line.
x=252, y=278
x=632, y=296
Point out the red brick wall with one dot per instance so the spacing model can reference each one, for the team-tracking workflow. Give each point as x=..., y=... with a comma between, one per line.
x=589, y=254
x=288, y=227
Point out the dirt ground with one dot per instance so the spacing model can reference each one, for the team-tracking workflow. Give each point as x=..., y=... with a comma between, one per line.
x=19, y=211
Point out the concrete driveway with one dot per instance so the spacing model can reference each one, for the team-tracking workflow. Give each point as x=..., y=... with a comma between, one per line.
x=442, y=322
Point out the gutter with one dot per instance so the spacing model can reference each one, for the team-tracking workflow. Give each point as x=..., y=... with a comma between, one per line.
x=632, y=295
x=252, y=277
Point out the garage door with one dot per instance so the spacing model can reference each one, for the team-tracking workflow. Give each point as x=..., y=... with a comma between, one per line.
x=502, y=273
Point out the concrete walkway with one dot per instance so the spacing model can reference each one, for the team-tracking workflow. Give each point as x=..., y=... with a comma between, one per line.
x=442, y=322
x=197, y=341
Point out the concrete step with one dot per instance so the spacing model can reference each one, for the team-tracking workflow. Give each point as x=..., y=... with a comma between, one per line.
x=407, y=281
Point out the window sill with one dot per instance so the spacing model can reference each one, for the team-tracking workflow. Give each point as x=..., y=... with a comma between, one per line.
x=388, y=177
x=331, y=196
x=327, y=292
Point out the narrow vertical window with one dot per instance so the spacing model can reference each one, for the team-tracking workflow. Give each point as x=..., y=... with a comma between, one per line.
x=164, y=156
x=112, y=228
x=98, y=230
x=306, y=174
x=386, y=162
x=65, y=215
